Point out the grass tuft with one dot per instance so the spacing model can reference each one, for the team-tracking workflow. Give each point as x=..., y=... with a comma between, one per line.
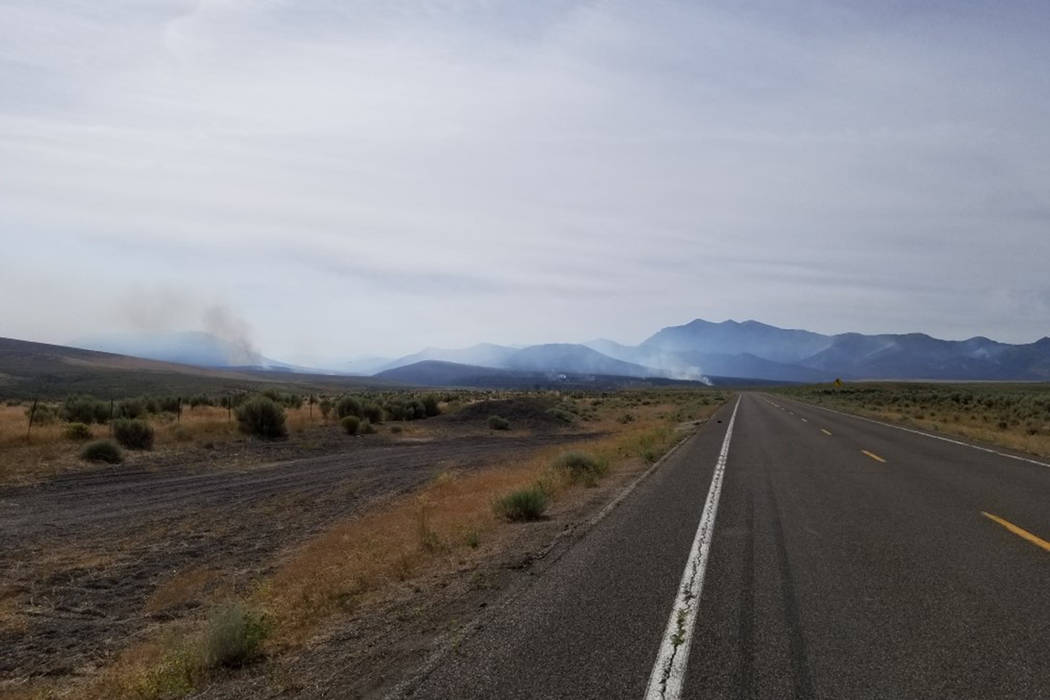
x=581, y=467
x=523, y=505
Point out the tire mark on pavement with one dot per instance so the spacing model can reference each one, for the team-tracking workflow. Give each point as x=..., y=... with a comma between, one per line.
x=799, y=662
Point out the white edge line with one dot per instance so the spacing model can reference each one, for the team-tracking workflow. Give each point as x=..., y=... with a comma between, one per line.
x=929, y=435
x=668, y=675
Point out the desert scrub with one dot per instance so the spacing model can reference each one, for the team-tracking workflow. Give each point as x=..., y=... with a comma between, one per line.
x=350, y=424
x=262, y=417
x=499, y=423
x=348, y=406
x=234, y=636
x=372, y=412
x=562, y=415
x=102, y=451
x=522, y=505
x=580, y=467
x=77, y=431
x=133, y=434
x=366, y=427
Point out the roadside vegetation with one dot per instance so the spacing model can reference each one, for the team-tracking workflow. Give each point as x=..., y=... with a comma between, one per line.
x=442, y=530
x=1015, y=416
x=38, y=439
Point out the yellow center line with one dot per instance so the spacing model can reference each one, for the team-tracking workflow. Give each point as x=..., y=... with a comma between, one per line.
x=1020, y=532
x=825, y=431
x=874, y=456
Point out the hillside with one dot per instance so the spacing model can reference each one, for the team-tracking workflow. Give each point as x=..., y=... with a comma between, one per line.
x=29, y=369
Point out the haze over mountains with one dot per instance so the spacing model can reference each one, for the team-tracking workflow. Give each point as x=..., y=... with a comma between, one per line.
x=692, y=351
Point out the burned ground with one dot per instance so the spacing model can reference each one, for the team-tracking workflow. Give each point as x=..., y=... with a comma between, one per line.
x=85, y=555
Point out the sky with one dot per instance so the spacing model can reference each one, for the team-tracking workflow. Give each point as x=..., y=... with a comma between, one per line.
x=338, y=178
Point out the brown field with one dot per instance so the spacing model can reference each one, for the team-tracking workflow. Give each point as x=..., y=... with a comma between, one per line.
x=357, y=552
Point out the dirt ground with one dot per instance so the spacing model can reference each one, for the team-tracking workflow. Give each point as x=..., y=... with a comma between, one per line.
x=88, y=560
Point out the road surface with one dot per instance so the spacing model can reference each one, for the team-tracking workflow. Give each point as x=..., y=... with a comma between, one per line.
x=845, y=559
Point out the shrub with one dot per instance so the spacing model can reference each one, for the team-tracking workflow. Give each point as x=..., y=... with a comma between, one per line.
x=170, y=404
x=562, y=415
x=85, y=409
x=131, y=408
x=262, y=417
x=373, y=412
x=200, y=400
x=366, y=427
x=102, y=451
x=133, y=434
x=234, y=635
x=348, y=406
x=522, y=505
x=350, y=424
x=430, y=405
x=78, y=431
x=43, y=415
x=326, y=407
x=396, y=429
x=499, y=423
x=580, y=466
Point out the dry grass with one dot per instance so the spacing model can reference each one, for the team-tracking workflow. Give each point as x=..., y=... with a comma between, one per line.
x=48, y=452
x=441, y=528
x=433, y=529
x=1016, y=417
x=184, y=587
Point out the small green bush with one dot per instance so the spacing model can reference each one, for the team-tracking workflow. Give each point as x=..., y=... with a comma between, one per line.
x=102, y=451
x=396, y=429
x=348, y=406
x=85, y=409
x=350, y=424
x=131, y=408
x=234, y=636
x=133, y=434
x=326, y=407
x=499, y=423
x=78, y=431
x=430, y=405
x=262, y=417
x=522, y=505
x=580, y=466
x=373, y=412
x=366, y=427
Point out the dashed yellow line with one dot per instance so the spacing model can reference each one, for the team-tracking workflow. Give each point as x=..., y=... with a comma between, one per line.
x=874, y=456
x=825, y=431
x=1020, y=532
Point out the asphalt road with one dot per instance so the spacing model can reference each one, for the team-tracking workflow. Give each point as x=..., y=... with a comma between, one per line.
x=848, y=559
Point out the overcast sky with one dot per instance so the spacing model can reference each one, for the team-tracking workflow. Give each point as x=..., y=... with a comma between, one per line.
x=347, y=178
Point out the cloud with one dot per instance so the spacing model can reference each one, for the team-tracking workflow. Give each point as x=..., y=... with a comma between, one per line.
x=378, y=176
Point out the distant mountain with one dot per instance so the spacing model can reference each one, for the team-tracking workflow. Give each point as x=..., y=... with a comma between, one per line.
x=733, y=338
x=39, y=370
x=752, y=349
x=438, y=373
x=482, y=355
x=568, y=357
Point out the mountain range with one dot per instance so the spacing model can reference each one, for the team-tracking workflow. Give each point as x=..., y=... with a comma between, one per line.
x=693, y=351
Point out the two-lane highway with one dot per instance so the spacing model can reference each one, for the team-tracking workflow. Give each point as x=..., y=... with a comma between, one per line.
x=844, y=558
